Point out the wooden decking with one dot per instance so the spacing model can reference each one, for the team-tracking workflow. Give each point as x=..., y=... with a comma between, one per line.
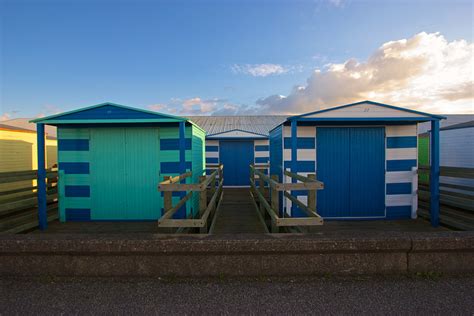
x=237, y=214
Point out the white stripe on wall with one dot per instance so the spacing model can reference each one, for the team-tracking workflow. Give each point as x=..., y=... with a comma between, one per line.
x=307, y=154
x=212, y=154
x=399, y=177
x=259, y=142
x=398, y=200
x=262, y=154
x=401, y=130
x=401, y=153
x=306, y=131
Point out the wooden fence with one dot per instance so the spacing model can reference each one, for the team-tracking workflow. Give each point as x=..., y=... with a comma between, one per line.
x=272, y=209
x=456, y=200
x=18, y=199
x=211, y=184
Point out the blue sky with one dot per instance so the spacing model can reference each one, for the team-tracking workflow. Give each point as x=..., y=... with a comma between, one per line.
x=222, y=57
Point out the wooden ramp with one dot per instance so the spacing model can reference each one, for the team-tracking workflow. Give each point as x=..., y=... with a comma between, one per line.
x=237, y=215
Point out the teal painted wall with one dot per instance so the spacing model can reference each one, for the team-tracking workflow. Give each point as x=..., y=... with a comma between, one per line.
x=125, y=162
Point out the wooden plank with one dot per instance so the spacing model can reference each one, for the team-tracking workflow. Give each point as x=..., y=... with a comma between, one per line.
x=275, y=200
x=170, y=212
x=312, y=195
x=306, y=209
x=270, y=211
x=176, y=223
x=300, y=186
x=456, y=172
x=175, y=179
x=299, y=221
x=23, y=204
x=302, y=178
x=180, y=187
x=263, y=176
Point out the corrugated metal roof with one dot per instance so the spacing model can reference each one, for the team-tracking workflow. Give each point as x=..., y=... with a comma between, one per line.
x=253, y=124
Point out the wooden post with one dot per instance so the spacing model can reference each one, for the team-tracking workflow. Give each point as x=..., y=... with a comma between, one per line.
x=262, y=191
x=202, y=204
x=275, y=203
x=312, y=194
x=167, y=198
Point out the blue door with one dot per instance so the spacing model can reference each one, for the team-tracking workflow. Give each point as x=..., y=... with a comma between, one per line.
x=351, y=163
x=236, y=156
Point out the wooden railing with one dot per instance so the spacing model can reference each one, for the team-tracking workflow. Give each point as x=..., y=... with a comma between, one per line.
x=18, y=199
x=211, y=184
x=456, y=199
x=272, y=209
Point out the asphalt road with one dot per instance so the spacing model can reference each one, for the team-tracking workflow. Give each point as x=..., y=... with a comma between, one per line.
x=425, y=294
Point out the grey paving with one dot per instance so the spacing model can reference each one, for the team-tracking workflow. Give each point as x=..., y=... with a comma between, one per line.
x=422, y=294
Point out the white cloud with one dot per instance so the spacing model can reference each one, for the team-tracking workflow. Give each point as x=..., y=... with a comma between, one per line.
x=260, y=70
x=424, y=72
x=191, y=106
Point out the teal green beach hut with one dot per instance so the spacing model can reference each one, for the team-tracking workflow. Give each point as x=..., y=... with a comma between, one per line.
x=111, y=158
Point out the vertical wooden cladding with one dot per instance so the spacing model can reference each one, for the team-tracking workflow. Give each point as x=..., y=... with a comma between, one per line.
x=124, y=173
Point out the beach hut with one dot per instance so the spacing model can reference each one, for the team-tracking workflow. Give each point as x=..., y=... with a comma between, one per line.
x=236, y=142
x=365, y=153
x=111, y=158
x=456, y=149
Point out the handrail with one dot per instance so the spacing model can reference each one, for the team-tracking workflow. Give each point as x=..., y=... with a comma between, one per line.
x=456, y=172
x=272, y=209
x=206, y=210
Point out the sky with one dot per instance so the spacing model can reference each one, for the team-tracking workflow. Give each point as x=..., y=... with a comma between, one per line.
x=234, y=57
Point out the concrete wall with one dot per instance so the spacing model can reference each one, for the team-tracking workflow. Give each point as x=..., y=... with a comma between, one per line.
x=262, y=255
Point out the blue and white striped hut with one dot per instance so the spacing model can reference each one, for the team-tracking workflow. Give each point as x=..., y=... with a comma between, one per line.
x=237, y=142
x=366, y=155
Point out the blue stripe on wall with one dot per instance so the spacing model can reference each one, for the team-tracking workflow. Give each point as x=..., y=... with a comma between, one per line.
x=78, y=214
x=261, y=159
x=262, y=148
x=212, y=160
x=173, y=144
x=302, y=166
x=301, y=142
x=402, y=142
x=172, y=167
x=401, y=165
x=73, y=144
x=74, y=167
x=77, y=191
x=398, y=188
x=399, y=212
x=212, y=148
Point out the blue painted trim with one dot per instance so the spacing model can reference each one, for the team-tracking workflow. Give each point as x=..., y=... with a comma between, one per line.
x=302, y=142
x=174, y=143
x=262, y=159
x=182, y=148
x=213, y=149
x=74, y=167
x=78, y=214
x=434, y=175
x=212, y=160
x=73, y=144
x=399, y=188
x=399, y=212
x=262, y=148
x=77, y=191
x=42, y=210
x=402, y=142
x=173, y=167
x=439, y=117
x=365, y=119
x=401, y=165
x=110, y=104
